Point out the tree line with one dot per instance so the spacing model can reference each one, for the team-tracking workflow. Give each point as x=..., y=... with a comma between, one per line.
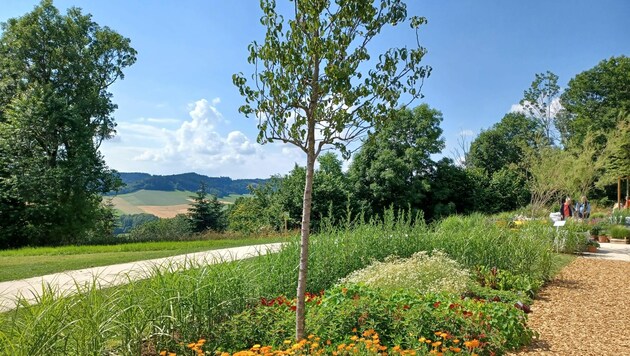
x=56, y=109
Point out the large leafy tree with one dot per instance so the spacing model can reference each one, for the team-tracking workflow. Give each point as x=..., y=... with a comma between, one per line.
x=594, y=99
x=503, y=143
x=393, y=167
x=55, y=110
x=315, y=84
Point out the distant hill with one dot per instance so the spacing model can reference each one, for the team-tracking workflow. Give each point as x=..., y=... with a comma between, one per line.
x=219, y=186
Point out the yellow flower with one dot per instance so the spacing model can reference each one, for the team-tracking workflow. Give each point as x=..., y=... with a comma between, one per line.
x=162, y=353
x=422, y=339
x=191, y=345
x=436, y=344
x=255, y=347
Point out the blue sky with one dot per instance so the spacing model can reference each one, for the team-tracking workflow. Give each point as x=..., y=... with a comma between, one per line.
x=178, y=107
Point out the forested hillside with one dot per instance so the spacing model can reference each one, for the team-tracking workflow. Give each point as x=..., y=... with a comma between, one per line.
x=219, y=186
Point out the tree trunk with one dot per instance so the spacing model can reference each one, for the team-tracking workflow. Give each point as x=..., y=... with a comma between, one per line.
x=305, y=230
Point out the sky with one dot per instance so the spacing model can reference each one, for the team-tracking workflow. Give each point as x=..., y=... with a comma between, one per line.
x=178, y=109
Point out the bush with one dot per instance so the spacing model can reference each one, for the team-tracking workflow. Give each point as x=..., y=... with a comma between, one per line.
x=402, y=318
x=619, y=232
x=423, y=273
x=173, y=229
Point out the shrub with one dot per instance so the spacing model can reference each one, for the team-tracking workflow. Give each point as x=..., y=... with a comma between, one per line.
x=401, y=318
x=173, y=229
x=619, y=232
x=421, y=272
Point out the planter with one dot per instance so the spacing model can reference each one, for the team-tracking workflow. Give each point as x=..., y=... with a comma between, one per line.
x=603, y=238
x=618, y=241
x=591, y=249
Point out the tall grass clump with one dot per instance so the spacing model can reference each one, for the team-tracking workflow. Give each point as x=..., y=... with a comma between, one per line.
x=175, y=305
x=476, y=240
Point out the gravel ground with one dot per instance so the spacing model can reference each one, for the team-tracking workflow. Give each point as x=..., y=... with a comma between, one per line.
x=585, y=310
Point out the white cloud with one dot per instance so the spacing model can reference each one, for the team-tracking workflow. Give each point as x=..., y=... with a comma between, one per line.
x=556, y=107
x=196, y=145
x=466, y=133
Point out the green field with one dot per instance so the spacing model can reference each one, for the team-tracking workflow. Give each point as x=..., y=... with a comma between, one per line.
x=146, y=201
x=39, y=261
x=157, y=197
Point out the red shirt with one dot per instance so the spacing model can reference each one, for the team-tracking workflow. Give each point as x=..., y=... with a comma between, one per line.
x=566, y=209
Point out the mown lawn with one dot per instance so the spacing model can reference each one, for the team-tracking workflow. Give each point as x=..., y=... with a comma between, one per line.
x=39, y=261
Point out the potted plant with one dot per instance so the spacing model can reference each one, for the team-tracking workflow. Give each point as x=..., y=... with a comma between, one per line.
x=591, y=246
x=595, y=231
x=602, y=228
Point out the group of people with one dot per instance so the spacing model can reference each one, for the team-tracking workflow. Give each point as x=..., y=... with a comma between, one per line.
x=581, y=209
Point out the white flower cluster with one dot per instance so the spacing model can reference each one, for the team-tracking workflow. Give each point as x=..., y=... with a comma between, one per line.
x=422, y=272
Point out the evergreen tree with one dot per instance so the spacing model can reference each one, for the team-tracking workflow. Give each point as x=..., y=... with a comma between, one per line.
x=206, y=213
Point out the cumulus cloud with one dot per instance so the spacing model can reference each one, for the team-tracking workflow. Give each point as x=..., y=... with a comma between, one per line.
x=556, y=107
x=196, y=145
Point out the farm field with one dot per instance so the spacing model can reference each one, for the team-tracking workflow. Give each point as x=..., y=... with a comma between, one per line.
x=163, y=204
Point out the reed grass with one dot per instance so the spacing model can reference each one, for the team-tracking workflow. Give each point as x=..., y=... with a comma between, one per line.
x=177, y=306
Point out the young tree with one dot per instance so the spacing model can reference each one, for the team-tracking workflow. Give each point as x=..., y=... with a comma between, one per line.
x=312, y=87
x=206, y=213
x=55, y=110
x=541, y=103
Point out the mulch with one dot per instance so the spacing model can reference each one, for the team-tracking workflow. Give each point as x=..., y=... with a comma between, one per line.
x=585, y=310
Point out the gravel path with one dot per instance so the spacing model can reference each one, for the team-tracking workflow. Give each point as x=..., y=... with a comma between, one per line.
x=585, y=310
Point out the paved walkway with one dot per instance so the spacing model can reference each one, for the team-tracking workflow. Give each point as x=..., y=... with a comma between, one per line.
x=611, y=251
x=107, y=276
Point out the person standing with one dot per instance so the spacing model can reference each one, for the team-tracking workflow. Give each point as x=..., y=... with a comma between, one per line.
x=583, y=208
x=566, y=209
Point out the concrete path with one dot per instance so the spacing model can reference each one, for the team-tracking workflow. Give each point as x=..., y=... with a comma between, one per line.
x=107, y=276
x=611, y=251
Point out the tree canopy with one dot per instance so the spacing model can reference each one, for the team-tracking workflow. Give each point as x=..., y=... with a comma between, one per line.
x=594, y=99
x=55, y=110
x=394, y=164
x=503, y=143
x=314, y=84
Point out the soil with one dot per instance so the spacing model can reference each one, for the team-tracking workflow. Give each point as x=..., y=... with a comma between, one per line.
x=585, y=310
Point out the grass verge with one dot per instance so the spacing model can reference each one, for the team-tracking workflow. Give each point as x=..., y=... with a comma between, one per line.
x=39, y=261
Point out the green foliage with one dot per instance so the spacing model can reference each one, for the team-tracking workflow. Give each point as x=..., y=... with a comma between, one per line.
x=619, y=232
x=126, y=223
x=400, y=318
x=206, y=214
x=421, y=272
x=495, y=278
x=55, y=111
x=503, y=143
x=615, y=158
x=594, y=99
x=392, y=168
x=538, y=102
x=173, y=229
x=171, y=307
x=219, y=186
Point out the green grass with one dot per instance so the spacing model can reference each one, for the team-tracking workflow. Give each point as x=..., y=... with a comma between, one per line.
x=39, y=261
x=159, y=312
x=157, y=197
x=559, y=261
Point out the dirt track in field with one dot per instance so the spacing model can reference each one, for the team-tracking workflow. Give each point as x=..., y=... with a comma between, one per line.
x=585, y=310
